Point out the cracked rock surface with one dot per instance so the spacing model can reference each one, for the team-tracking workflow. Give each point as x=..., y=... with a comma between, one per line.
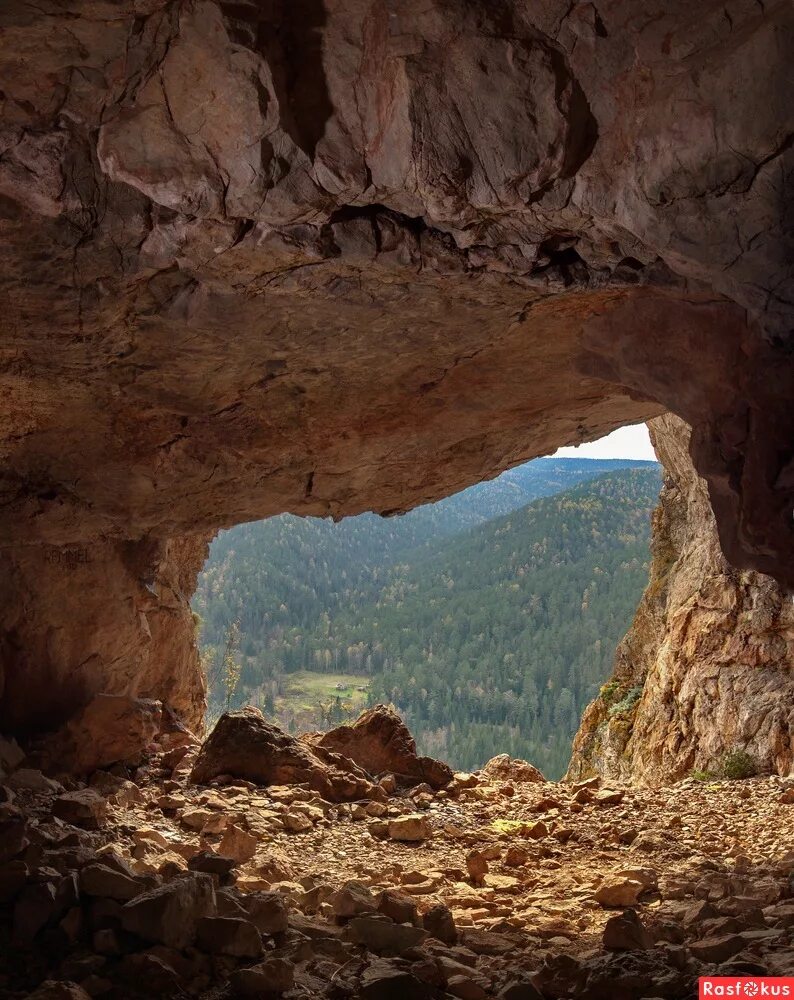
x=580, y=890
x=328, y=257
x=707, y=667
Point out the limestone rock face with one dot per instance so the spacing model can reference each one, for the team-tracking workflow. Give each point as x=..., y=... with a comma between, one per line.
x=327, y=257
x=110, y=729
x=108, y=618
x=707, y=667
x=380, y=742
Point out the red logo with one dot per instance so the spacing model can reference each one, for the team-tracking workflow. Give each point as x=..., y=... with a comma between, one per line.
x=751, y=987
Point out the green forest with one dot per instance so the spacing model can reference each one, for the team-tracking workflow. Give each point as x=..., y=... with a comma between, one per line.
x=488, y=622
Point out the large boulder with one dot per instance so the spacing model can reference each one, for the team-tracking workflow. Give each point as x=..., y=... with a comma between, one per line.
x=380, y=742
x=244, y=745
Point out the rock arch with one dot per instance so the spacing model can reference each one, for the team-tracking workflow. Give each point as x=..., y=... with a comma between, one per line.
x=470, y=233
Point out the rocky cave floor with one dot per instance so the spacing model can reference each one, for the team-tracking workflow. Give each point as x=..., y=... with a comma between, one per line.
x=138, y=882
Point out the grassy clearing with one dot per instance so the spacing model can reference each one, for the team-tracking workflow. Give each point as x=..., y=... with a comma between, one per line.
x=305, y=691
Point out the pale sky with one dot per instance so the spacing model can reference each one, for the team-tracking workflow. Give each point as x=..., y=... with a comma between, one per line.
x=625, y=442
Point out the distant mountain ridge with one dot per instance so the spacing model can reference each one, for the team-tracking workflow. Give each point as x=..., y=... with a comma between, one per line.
x=288, y=556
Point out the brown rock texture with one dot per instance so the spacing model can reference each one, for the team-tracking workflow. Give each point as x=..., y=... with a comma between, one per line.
x=244, y=745
x=110, y=729
x=707, y=667
x=326, y=256
x=106, y=618
x=708, y=880
x=381, y=743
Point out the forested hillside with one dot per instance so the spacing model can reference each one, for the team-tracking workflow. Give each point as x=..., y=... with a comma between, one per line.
x=488, y=633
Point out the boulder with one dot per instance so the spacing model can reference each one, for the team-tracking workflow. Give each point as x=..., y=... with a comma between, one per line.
x=212, y=864
x=398, y=907
x=385, y=980
x=352, y=899
x=11, y=755
x=170, y=914
x=380, y=934
x=380, y=743
x=503, y=767
x=104, y=881
x=85, y=808
x=13, y=832
x=244, y=745
x=53, y=990
x=30, y=779
x=268, y=911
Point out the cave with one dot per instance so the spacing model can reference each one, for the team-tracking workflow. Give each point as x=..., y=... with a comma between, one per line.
x=328, y=257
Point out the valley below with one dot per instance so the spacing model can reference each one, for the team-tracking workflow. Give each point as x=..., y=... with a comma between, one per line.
x=489, y=619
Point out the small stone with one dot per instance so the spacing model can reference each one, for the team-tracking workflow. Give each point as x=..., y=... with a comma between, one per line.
x=216, y=824
x=524, y=989
x=297, y=822
x=476, y=866
x=272, y=977
x=212, y=864
x=626, y=932
x=515, y=857
x=411, y=828
x=238, y=844
x=619, y=892
x=83, y=808
x=196, y=819
x=609, y=797
x=228, y=936
x=440, y=924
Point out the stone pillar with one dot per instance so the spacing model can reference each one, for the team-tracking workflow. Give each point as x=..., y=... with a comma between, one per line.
x=708, y=664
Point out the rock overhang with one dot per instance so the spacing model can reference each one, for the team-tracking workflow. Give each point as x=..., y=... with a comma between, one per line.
x=327, y=258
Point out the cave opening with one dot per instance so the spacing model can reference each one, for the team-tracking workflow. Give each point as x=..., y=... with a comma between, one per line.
x=327, y=258
x=314, y=621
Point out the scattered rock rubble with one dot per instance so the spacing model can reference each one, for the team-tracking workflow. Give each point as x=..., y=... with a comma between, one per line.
x=137, y=881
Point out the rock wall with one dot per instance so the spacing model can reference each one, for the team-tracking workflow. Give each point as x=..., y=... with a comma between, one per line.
x=327, y=256
x=102, y=618
x=708, y=665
